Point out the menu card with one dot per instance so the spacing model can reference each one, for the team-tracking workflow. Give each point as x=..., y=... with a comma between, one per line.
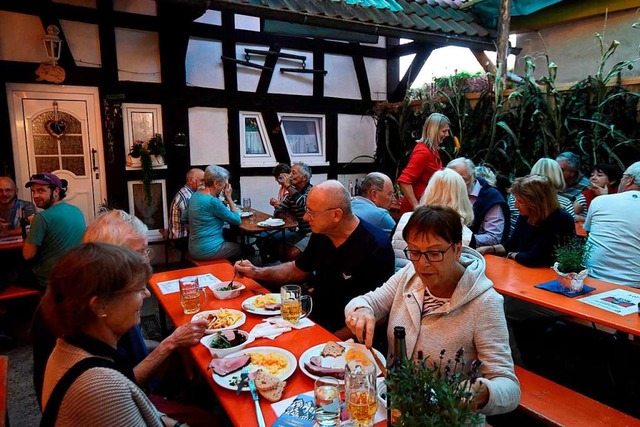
x=618, y=301
x=171, y=286
x=297, y=411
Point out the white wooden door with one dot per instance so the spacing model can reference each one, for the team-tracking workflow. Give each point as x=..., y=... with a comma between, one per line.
x=63, y=139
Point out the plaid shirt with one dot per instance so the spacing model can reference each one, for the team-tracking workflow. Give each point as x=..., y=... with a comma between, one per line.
x=178, y=229
x=576, y=189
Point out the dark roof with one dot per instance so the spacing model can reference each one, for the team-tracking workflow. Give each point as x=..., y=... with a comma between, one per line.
x=436, y=21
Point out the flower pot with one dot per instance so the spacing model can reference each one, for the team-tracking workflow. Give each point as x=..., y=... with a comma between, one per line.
x=157, y=160
x=134, y=162
x=572, y=282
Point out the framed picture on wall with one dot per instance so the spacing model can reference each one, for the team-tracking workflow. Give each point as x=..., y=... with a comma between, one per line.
x=153, y=212
x=140, y=123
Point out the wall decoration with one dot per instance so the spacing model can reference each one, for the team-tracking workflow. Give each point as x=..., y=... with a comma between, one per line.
x=152, y=213
x=141, y=122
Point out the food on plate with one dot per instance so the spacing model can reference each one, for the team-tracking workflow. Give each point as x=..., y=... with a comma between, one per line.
x=358, y=356
x=269, y=386
x=272, y=307
x=314, y=366
x=273, y=362
x=227, y=339
x=222, y=319
x=332, y=349
x=228, y=365
x=263, y=300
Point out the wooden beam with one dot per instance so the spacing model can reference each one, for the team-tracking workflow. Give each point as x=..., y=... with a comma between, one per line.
x=412, y=72
x=503, y=37
x=361, y=73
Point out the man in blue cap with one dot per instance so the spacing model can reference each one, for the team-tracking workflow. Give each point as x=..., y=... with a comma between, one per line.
x=54, y=230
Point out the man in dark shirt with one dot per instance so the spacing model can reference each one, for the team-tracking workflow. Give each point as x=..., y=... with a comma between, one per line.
x=346, y=257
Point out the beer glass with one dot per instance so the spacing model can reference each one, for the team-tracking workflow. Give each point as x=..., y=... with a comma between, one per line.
x=191, y=296
x=360, y=389
x=292, y=302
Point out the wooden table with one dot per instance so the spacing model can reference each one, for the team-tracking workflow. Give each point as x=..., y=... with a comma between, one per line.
x=249, y=228
x=240, y=409
x=518, y=281
x=7, y=243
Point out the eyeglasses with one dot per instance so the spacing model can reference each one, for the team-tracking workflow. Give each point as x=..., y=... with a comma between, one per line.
x=313, y=214
x=146, y=252
x=431, y=256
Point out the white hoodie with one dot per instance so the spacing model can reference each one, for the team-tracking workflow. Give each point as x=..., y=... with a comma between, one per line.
x=473, y=319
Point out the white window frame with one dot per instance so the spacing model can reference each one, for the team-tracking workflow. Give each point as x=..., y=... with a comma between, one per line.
x=266, y=159
x=309, y=158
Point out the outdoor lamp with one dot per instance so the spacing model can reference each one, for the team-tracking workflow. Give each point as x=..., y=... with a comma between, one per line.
x=52, y=44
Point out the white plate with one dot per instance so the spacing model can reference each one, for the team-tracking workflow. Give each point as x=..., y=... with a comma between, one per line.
x=248, y=306
x=204, y=314
x=336, y=362
x=230, y=381
x=244, y=214
x=272, y=223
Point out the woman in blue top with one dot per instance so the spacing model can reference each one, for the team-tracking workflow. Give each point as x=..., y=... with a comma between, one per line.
x=207, y=215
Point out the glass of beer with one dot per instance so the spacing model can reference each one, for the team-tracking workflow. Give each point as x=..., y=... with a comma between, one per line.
x=360, y=390
x=294, y=305
x=191, y=296
x=327, y=398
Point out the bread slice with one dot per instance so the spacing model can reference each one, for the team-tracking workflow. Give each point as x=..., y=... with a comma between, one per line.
x=275, y=394
x=265, y=381
x=332, y=349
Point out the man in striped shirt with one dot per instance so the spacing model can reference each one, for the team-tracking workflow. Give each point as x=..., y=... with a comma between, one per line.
x=178, y=231
x=294, y=204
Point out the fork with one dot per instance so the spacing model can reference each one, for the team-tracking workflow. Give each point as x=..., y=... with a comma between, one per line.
x=254, y=395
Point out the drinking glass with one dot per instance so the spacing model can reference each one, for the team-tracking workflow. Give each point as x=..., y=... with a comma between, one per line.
x=327, y=397
x=292, y=302
x=246, y=204
x=360, y=391
x=191, y=296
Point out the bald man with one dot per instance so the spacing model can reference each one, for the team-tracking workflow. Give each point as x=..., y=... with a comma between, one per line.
x=179, y=231
x=346, y=257
x=374, y=201
x=12, y=209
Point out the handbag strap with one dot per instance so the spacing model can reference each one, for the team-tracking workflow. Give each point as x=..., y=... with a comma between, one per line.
x=50, y=413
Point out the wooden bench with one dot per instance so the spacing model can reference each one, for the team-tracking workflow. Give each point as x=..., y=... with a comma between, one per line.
x=14, y=291
x=557, y=405
x=4, y=376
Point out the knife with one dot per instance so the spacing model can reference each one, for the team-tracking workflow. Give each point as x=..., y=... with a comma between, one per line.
x=254, y=394
x=243, y=380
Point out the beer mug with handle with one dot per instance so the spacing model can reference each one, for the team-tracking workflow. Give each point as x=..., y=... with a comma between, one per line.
x=294, y=305
x=191, y=296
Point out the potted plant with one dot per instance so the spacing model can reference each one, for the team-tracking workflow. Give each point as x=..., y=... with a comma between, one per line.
x=436, y=394
x=571, y=258
x=147, y=156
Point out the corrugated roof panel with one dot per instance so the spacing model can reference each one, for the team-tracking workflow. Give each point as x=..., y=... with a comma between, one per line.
x=457, y=27
x=479, y=30
x=419, y=9
x=390, y=17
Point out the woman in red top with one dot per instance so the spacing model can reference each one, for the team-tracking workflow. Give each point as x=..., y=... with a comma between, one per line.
x=604, y=180
x=424, y=161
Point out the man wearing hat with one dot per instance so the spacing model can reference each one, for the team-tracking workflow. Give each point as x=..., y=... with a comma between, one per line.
x=54, y=230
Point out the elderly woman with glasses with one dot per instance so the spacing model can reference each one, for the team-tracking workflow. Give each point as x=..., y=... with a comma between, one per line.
x=444, y=301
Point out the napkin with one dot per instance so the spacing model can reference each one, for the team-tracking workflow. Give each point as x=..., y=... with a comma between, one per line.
x=555, y=286
x=273, y=221
x=276, y=326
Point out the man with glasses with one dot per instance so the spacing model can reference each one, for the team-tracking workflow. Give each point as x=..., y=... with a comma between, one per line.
x=614, y=232
x=374, y=201
x=178, y=230
x=55, y=229
x=346, y=256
